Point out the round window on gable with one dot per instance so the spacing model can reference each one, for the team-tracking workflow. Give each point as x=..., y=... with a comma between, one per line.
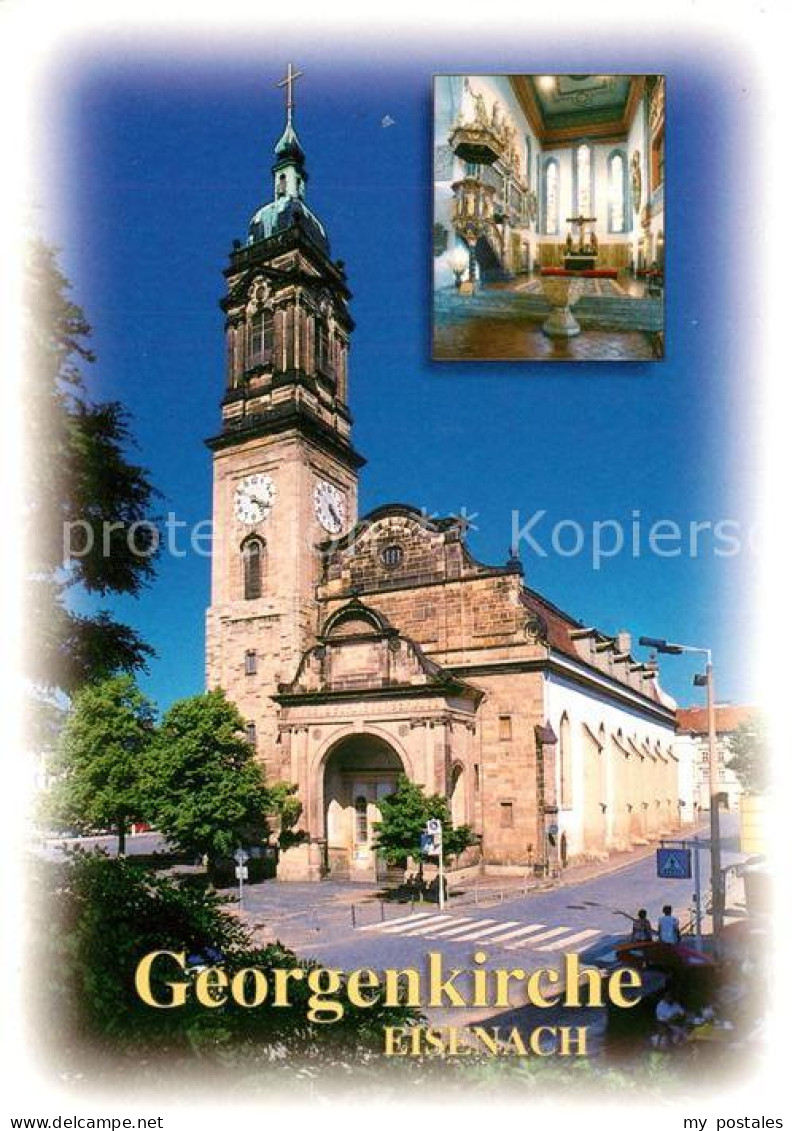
x=392, y=556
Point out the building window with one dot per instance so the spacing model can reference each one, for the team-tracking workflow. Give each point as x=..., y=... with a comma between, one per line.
x=282, y=184
x=361, y=820
x=565, y=763
x=252, y=567
x=322, y=352
x=476, y=777
x=392, y=556
x=657, y=170
x=505, y=728
x=507, y=814
x=584, y=193
x=551, y=198
x=261, y=338
x=617, y=192
x=250, y=733
x=250, y=662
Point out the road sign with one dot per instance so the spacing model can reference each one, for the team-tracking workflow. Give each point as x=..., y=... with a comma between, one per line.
x=241, y=872
x=433, y=826
x=241, y=856
x=673, y=863
x=428, y=844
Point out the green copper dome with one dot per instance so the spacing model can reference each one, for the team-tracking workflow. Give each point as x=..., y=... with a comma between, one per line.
x=284, y=213
x=288, y=148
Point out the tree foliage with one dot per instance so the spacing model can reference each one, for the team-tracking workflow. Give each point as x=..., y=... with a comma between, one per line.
x=286, y=807
x=750, y=760
x=404, y=816
x=97, y=917
x=79, y=479
x=206, y=792
x=99, y=757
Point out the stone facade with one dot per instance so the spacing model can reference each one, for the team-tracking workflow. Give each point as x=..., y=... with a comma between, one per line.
x=359, y=650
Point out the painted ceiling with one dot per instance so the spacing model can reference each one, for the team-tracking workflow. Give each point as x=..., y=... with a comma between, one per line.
x=568, y=105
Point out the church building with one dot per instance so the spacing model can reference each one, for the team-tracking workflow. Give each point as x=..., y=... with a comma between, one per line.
x=549, y=233
x=358, y=648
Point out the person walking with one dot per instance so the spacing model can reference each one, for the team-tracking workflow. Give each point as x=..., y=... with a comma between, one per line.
x=668, y=927
x=641, y=928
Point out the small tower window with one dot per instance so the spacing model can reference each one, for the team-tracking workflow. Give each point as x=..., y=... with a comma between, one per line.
x=251, y=662
x=261, y=338
x=505, y=728
x=250, y=733
x=392, y=556
x=361, y=820
x=252, y=567
x=282, y=185
x=507, y=814
x=324, y=360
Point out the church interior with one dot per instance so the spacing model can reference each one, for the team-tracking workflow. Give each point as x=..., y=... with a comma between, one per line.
x=549, y=235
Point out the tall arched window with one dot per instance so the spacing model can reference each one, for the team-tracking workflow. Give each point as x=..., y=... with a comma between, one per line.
x=617, y=192
x=361, y=820
x=565, y=763
x=253, y=567
x=584, y=187
x=261, y=338
x=551, y=198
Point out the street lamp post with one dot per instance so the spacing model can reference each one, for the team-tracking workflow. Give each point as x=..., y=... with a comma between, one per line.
x=706, y=680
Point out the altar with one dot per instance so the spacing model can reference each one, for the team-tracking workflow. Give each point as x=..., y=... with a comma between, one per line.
x=580, y=261
x=582, y=257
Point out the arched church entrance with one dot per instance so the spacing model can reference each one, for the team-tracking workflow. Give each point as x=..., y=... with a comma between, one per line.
x=358, y=773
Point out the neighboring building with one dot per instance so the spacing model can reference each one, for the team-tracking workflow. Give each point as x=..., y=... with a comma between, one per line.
x=357, y=649
x=693, y=731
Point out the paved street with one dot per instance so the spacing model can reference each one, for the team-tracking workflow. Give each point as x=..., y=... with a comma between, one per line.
x=342, y=925
x=316, y=920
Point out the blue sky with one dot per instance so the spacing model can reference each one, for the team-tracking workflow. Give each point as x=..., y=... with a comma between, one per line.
x=152, y=161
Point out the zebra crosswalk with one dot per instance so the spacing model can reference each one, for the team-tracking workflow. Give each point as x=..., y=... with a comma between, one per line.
x=511, y=934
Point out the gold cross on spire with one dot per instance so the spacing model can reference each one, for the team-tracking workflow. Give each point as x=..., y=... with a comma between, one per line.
x=288, y=82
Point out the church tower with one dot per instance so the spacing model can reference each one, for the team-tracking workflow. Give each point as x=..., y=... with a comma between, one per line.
x=285, y=471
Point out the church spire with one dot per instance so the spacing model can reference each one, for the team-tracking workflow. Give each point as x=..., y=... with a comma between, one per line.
x=289, y=168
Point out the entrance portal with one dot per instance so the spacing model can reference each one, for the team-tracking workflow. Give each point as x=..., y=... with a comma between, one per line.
x=359, y=772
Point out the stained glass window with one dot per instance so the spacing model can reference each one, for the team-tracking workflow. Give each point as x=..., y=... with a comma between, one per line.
x=616, y=185
x=551, y=197
x=584, y=201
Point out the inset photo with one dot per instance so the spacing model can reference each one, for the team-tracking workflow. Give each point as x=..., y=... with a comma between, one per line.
x=549, y=230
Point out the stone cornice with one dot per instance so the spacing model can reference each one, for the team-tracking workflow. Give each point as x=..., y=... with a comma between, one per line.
x=283, y=418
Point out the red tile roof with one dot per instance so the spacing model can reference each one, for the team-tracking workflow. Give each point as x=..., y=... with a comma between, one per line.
x=727, y=718
x=561, y=625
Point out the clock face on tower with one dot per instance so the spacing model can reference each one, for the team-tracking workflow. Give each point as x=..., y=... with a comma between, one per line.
x=330, y=506
x=254, y=498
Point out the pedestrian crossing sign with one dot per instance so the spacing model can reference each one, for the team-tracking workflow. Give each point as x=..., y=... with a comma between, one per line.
x=673, y=863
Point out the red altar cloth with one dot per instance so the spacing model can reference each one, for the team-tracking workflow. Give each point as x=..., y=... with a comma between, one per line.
x=604, y=273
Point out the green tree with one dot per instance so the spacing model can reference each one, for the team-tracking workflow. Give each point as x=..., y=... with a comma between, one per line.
x=404, y=816
x=99, y=756
x=286, y=807
x=82, y=493
x=97, y=917
x=750, y=760
x=204, y=790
